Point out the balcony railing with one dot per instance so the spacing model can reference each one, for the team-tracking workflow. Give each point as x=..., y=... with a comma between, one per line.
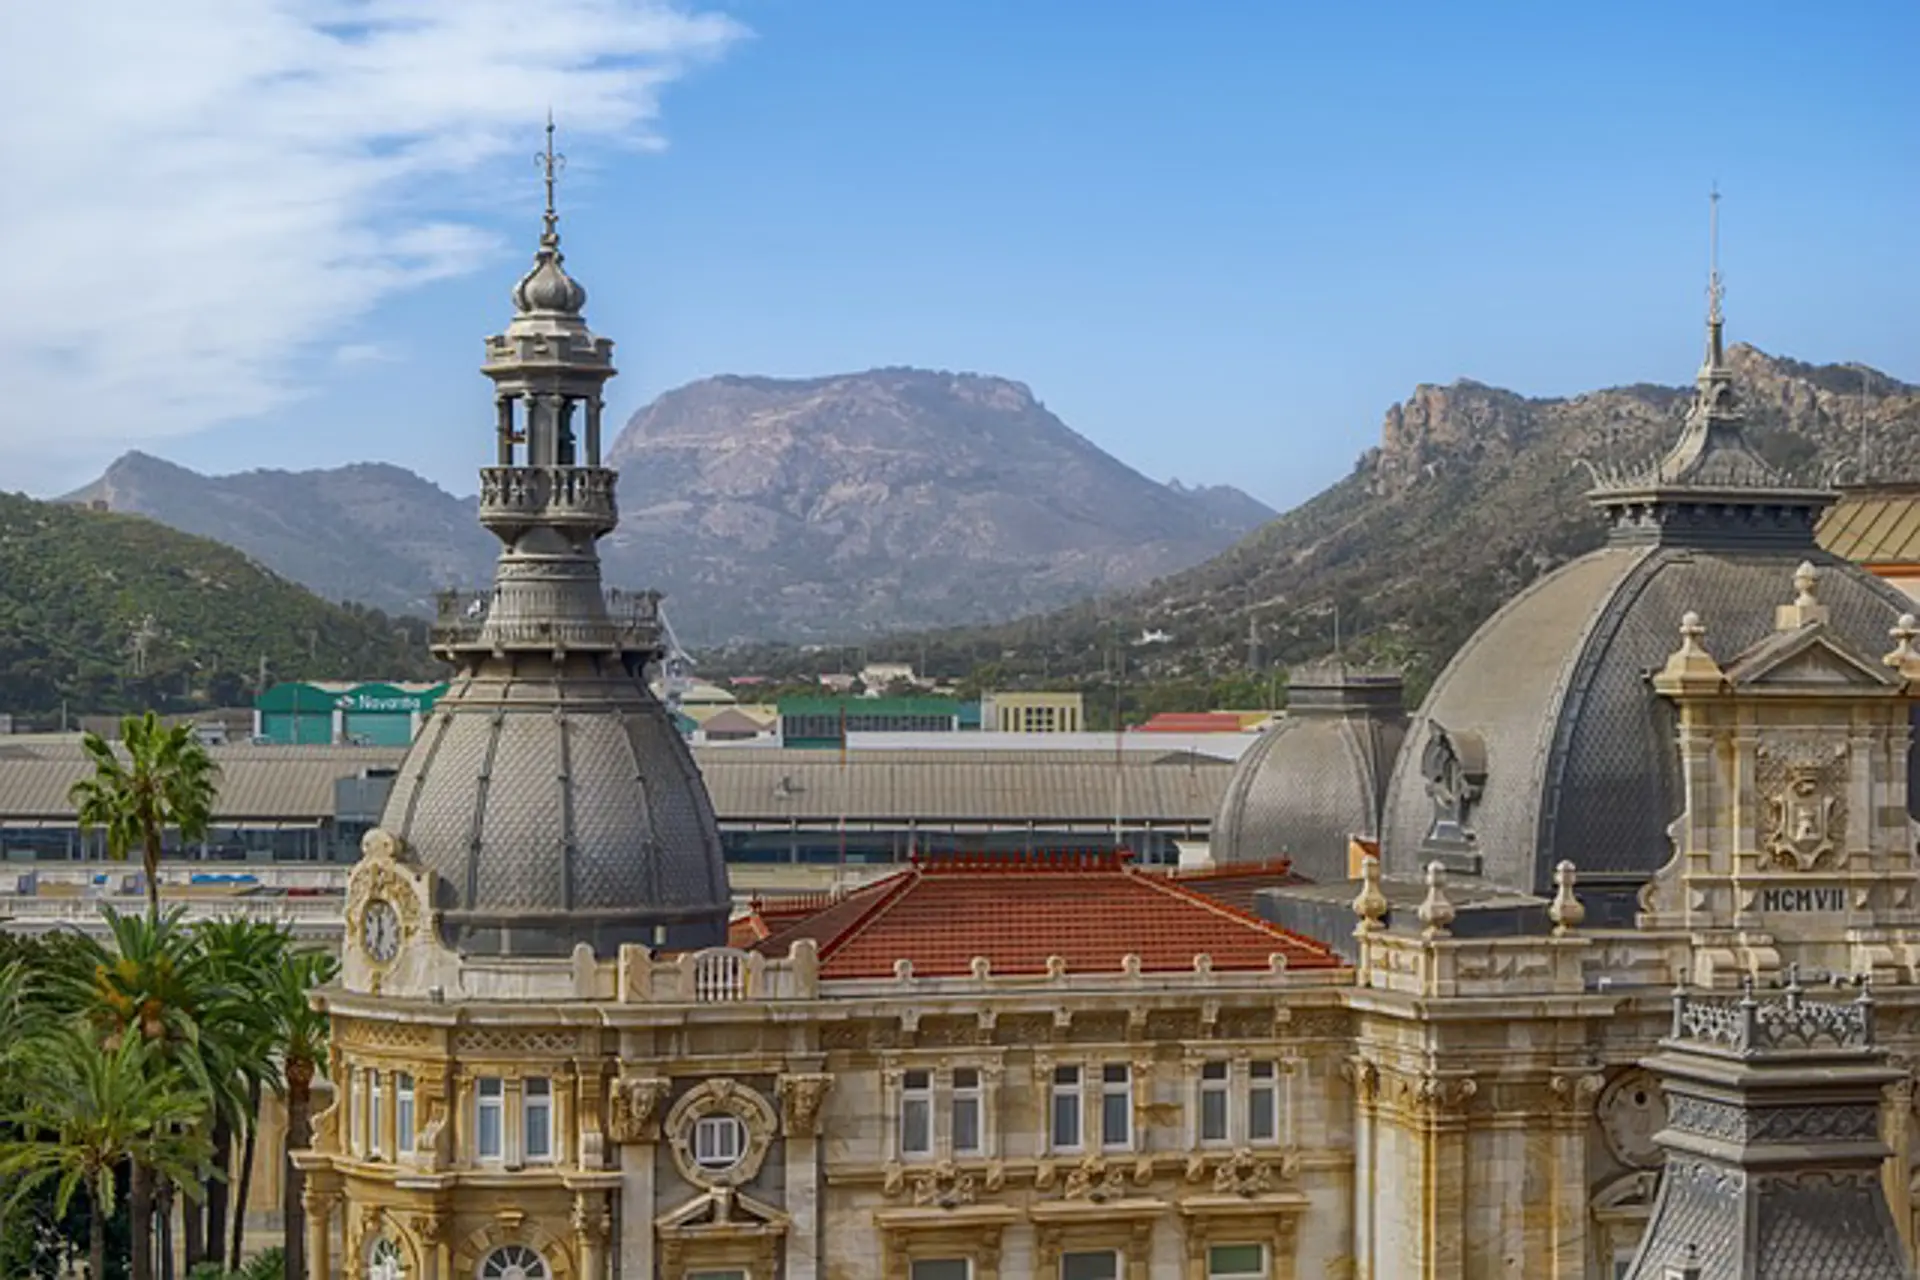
x=1747, y=1025
x=561, y=494
x=632, y=624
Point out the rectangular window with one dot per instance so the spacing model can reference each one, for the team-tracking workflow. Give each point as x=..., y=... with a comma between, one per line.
x=489, y=1101
x=536, y=1118
x=1090, y=1266
x=966, y=1111
x=357, y=1110
x=1214, y=1120
x=916, y=1113
x=1066, y=1108
x=403, y=1112
x=718, y=1141
x=376, y=1141
x=1116, y=1105
x=941, y=1269
x=1237, y=1262
x=1263, y=1102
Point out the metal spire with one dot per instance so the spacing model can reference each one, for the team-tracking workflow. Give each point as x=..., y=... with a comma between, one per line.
x=551, y=163
x=1715, y=289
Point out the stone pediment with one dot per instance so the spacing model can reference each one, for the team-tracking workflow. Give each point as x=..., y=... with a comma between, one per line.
x=1809, y=659
x=722, y=1210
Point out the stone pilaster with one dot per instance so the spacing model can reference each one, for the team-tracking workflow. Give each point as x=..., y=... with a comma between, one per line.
x=1573, y=1099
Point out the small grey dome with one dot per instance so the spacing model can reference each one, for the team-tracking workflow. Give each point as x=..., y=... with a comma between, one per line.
x=558, y=811
x=548, y=287
x=1316, y=777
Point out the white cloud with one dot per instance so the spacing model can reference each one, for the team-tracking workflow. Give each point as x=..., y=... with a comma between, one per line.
x=202, y=192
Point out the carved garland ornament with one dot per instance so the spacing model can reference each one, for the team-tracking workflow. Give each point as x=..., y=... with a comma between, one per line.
x=721, y=1097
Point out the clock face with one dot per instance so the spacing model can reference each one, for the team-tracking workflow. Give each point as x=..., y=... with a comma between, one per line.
x=380, y=930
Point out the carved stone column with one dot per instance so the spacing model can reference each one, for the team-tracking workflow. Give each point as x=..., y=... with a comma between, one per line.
x=633, y=1122
x=1896, y=1127
x=592, y=1223
x=802, y=1102
x=430, y=1230
x=319, y=1204
x=1573, y=1098
x=1365, y=1076
x=1438, y=1108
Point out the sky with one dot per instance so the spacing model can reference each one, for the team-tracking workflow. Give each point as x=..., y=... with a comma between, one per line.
x=1217, y=238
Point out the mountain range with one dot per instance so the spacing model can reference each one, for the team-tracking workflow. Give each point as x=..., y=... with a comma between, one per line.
x=1471, y=494
x=765, y=508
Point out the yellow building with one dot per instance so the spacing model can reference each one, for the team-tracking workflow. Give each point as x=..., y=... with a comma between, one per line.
x=1034, y=712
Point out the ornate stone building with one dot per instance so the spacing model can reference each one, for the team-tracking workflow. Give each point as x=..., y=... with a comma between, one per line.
x=1681, y=762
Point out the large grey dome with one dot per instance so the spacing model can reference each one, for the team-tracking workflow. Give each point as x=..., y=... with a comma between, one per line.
x=560, y=809
x=1316, y=777
x=1563, y=749
x=1543, y=740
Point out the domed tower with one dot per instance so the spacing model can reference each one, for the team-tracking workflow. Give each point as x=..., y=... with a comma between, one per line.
x=549, y=790
x=1543, y=739
x=1317, y=777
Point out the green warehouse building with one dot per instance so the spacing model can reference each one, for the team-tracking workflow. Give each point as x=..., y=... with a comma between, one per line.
x=303, y=713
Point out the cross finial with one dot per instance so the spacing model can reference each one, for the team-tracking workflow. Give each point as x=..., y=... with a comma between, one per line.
x=551, y=162
x=1715, y=290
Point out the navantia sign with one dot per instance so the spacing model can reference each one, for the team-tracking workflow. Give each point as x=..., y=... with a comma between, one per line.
x=369, y=702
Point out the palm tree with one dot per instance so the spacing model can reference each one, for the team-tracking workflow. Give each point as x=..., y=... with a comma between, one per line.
x=88, y=1109
x=166, y=780
x=154, y=985
x=302, y=1036
x=244, y=1056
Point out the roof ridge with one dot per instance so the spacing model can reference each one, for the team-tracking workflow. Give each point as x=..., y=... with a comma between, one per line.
x=1173, y=888
x=1281, y=865
x=890, y=889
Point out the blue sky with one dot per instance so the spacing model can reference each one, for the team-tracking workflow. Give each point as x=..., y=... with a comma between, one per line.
x=1219, y=239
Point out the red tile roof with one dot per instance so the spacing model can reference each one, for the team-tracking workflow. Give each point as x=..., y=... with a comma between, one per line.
x=1192, y=722
x=1237, y=883
x=1017, y=910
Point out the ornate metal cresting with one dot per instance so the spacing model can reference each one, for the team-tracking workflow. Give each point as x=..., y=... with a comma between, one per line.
x=1746, y=1025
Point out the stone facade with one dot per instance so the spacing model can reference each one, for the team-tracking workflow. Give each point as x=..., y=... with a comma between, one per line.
x=1200, y=1096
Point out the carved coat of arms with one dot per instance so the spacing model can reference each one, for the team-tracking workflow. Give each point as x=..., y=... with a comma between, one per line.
x=1804, y=815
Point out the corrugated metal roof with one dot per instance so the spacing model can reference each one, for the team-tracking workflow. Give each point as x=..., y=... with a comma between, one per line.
x=1008, y=785
x=747, y=783
x=1874, y=527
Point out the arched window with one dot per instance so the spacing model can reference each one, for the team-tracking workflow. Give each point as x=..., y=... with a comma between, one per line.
x=385, y=1261
x=514, y=1262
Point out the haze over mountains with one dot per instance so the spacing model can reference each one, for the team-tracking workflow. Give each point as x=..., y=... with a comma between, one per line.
x=764, y=508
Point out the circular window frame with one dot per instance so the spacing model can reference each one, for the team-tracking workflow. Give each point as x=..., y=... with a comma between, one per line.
x=546, y=1268
x=729, y=1098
